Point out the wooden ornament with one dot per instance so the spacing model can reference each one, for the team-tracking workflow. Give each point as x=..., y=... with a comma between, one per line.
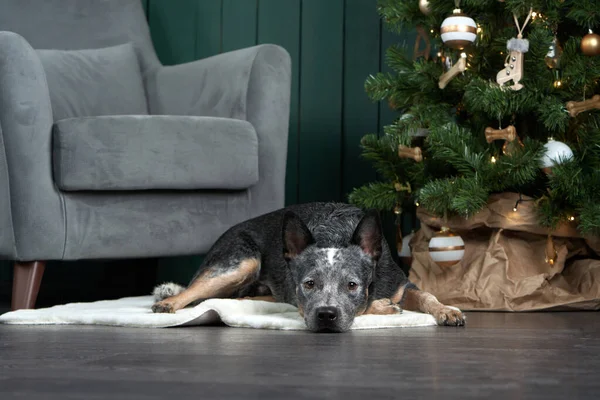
x=576, y=107
x=459, y=67
x=410, y=152
x=508, y=134
x=422, y=36
x=513, y=66
x=446, y=248
x=513, y=70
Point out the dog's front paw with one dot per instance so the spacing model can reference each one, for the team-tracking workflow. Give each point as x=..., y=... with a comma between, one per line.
x=383, y=307
x=163, y=307
x=450, y=317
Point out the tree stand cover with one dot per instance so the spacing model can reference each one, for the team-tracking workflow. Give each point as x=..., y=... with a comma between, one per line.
x=505, y=265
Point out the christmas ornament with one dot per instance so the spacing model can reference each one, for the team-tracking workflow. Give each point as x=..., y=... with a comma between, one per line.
x=551, y=253
x=424, y=7
x=513, y=66
x=576, y=107
x=508, y=134
x=404, y=251
x=410, y=152
x=458, y=68
x=553, y=57
x=590, y=44
x=555, y=153
x=446, y=248
x=458, y=30
x=422, y=36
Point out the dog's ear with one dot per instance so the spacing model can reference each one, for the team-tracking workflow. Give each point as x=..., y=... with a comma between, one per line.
x=368, y=234
x=296, y=236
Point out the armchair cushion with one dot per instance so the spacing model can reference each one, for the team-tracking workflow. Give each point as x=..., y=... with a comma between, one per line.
x=91, y=82
x=154, y=152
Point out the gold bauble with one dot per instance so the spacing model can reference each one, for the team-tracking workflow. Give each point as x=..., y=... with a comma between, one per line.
x=590, y=44
x=424, y=7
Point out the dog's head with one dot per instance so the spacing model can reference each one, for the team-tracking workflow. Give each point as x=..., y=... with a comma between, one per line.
x=332, y=284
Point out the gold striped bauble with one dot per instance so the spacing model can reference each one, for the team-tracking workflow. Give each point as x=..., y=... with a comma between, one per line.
x=446, y=248
x=458, y=30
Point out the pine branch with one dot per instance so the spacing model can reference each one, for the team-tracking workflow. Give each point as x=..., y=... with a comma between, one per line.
x=378, y=195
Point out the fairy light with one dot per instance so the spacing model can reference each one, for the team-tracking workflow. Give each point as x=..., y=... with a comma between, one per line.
x=557, y=84
x=534, y=15
x=571, y=218
x=417, y=203
x=493, y=160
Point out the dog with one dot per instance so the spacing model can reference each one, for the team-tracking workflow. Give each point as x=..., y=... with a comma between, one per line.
x=330, y=260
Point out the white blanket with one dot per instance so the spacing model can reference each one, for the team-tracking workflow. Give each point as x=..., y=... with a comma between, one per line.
x=136, y=312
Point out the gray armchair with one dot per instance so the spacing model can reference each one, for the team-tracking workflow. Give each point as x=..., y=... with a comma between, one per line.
x=88, y=170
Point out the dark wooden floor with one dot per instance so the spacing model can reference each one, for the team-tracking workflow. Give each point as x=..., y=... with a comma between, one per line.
x=504, y=356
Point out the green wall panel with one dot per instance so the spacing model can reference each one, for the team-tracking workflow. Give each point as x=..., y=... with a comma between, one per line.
x=362, y=35
x=239, y=24
x=209, y=23
x=173, y=28
x=279, y=23
x=321, y=69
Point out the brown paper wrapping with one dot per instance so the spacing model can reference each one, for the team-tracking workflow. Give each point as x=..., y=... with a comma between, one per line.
x=504, y=267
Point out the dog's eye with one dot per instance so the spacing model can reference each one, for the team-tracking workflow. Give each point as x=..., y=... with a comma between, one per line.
x=309, y=284
x=352, y=286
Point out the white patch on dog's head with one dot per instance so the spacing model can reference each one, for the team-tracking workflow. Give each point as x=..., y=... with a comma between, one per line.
x=331, y=253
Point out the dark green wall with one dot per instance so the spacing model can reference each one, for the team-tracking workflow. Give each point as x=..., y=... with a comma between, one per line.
x=334, y=45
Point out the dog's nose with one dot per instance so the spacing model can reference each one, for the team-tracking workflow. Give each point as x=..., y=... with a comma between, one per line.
x=327, y=314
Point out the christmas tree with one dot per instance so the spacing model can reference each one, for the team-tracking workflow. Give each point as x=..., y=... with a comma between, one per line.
x=505, y=101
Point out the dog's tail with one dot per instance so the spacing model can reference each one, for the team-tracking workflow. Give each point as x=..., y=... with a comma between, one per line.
x=165, y=290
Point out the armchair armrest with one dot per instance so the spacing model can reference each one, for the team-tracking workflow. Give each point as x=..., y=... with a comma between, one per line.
x=31, y=211
x=251, y=84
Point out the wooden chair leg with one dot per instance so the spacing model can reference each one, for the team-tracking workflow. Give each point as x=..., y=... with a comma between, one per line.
x=26, y=284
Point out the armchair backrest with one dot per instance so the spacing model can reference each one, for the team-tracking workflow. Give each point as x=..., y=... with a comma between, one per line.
x=80, y=24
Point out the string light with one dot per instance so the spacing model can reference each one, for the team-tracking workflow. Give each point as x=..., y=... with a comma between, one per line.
x=493, y=160
x=518, y=201
x=557, y=84
x=571, y=218
x=417, y=203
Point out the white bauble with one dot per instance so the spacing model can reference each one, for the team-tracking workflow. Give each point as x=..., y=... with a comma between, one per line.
x=555, y=153
x=446, y=248
x=458, y=30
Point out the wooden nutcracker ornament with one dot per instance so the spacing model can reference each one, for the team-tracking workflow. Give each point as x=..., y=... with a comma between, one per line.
x=577, y=107
x=513, y=66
